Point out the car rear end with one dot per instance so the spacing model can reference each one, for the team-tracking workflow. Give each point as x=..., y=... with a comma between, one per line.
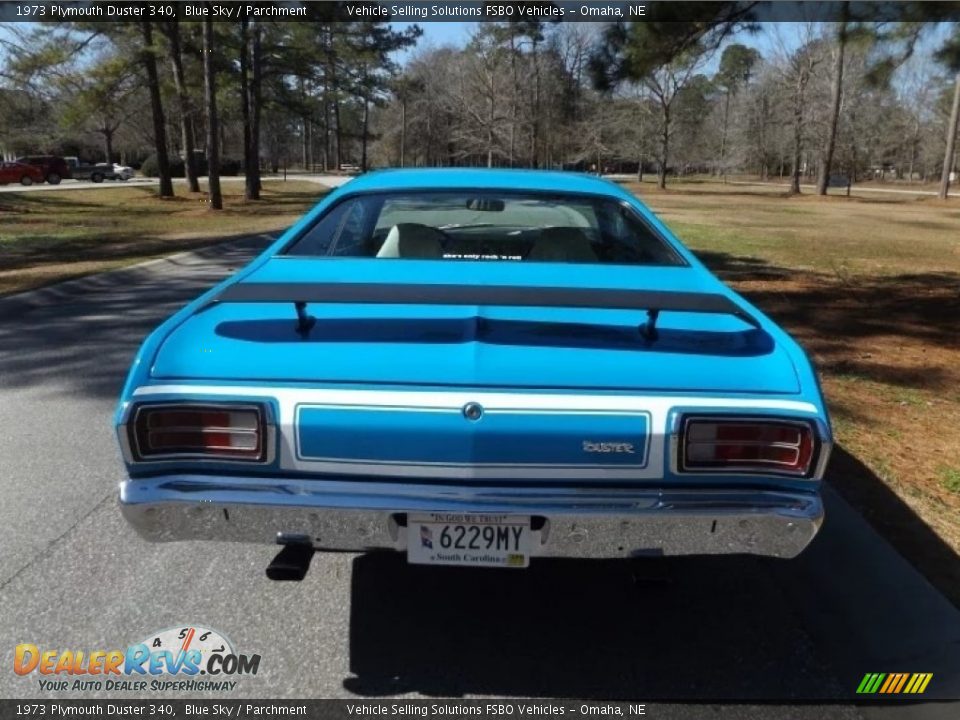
x=640, y=475
x=18, y=172
x=529, y=410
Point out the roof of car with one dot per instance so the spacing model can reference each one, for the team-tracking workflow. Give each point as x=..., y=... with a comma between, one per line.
x=474, y=178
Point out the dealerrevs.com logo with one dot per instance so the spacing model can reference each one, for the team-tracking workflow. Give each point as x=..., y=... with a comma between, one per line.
x=189, y=658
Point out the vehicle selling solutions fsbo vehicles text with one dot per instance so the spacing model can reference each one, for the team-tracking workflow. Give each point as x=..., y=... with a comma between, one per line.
x=494, y=709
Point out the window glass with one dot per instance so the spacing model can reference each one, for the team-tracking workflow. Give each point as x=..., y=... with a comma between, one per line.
x=342, y=231
x=486, y=226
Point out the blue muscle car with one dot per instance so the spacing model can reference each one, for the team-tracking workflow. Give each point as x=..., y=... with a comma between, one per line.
x=475, y=367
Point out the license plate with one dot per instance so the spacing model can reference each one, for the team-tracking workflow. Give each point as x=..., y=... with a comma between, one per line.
x=468, y=539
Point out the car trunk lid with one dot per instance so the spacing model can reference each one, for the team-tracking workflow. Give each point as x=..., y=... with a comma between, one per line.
x=482, y=345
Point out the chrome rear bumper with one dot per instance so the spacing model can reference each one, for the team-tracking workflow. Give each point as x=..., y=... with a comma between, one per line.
x=359, y=516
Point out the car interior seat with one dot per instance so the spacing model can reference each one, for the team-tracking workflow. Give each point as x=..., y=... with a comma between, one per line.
x=412, y=240
x=562, y=244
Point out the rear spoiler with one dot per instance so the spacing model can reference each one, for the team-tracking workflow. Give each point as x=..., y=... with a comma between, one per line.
x=652, y=301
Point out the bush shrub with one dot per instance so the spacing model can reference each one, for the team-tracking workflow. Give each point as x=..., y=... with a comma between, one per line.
x=150, y=168
x=229, y=166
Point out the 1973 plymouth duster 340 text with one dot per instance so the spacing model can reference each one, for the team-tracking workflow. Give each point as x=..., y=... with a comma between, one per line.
x=475, y=367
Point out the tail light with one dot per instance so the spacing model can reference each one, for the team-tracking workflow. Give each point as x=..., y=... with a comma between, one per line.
x=751, y=445
x=216, y=431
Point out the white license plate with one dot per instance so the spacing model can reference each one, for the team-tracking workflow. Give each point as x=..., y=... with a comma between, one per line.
x=468, y=539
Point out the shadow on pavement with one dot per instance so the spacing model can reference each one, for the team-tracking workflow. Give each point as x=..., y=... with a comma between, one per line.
x=83, y=334
x=896, y=522
x=688, y=629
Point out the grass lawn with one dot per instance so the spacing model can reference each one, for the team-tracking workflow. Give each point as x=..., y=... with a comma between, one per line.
x=871, y=288
x=46, y=237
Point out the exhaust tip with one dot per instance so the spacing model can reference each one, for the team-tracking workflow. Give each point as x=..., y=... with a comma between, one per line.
x=291, y=563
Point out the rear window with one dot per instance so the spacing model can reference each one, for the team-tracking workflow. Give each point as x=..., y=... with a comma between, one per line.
x=486, y=226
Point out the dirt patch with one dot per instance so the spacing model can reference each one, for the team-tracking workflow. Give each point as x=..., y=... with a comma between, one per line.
x=888, y=352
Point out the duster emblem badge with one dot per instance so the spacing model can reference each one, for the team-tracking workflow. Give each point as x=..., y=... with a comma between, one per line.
x=473, y=411
x=590, y=446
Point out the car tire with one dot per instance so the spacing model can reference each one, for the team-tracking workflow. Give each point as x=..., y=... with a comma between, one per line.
x=53, y=178
x=26, y=181
x=97, y=177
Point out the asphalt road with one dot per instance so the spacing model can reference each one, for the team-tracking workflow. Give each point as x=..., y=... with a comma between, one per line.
x=693, y=637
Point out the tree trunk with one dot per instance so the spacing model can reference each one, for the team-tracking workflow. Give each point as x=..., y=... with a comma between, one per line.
x=854, y=161
x=303, y=145
x=213, y=121
x=797, y=134
x=339, y=133
x=403, y=132
x=326, y=131
x=823, y=179
x=310, y=160
x=363, y=138
x=194, y=137
x=514, y=100
x=948, y=155
x=172, y=31
x=664, y=149
x=535, y=130
x=762, y=138
x=914, y=147
x=723, y=134
x=156, y=108
x=255, y=96
x=490, y=116
x=250, y=102
x=249, y=191
x=108, y=142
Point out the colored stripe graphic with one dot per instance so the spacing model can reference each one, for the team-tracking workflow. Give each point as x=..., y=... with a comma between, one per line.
x=891, y=680
x=894, y=683
x=862, y=687
x=926, y=681
x=903, y=679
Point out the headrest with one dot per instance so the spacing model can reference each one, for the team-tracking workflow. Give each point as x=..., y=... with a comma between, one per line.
x=419, y=241
x=562, y=244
